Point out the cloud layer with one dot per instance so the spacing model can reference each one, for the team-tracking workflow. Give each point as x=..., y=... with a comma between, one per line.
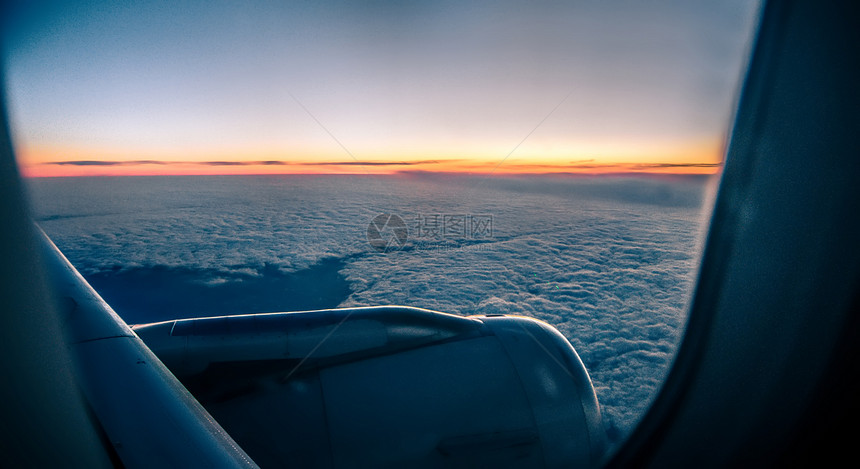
x=607, y=261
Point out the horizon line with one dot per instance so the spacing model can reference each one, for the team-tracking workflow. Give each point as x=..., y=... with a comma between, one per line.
x=591, y=167
x=419, y=173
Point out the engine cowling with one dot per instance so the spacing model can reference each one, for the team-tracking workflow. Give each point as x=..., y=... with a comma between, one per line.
x=388, y=387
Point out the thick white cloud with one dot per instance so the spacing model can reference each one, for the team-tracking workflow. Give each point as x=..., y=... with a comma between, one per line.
x=608, y=262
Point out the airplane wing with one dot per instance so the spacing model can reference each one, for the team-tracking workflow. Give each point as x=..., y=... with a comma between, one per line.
x=148, y=418
x=357, y=387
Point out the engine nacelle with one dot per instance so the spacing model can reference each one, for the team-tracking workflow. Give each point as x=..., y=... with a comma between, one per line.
x=388, y=387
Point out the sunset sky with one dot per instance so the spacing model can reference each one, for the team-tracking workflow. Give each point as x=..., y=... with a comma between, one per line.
x=373, y=87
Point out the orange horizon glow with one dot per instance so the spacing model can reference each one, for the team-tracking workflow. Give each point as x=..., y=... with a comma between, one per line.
x=692, y=158
x=196, y=170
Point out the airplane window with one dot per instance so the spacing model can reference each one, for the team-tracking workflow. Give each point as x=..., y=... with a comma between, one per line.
x=553, y=160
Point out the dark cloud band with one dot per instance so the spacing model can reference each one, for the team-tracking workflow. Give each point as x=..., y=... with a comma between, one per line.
x=243, y=163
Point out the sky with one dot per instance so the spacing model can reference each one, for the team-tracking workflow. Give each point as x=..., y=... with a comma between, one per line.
x=361, y=87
